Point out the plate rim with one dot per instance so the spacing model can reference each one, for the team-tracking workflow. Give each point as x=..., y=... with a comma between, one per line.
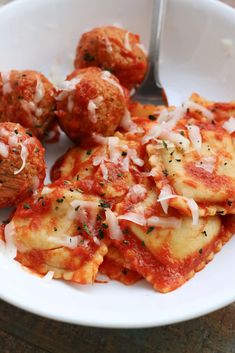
x=104, y=323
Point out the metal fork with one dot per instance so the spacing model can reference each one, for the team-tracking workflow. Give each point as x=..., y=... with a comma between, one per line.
x=151, y=91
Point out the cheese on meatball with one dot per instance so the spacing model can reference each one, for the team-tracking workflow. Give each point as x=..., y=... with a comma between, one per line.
x=90, y=101
x=28, y=98
x=22, y=164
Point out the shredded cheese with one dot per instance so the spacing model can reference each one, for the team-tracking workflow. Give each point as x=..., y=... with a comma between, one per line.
x=6, y=88
x=134, y=218
x=10, y=248
x=4, y=150
x=229, y=125
x=195, y=106
x=192, y=205
x=127, y=44
x=137, y=193
x=164, y=222
x=114, y=228
x=23, y=155
x=40, y=91
x=68, y=86
x=46, y=190
x=114, y=150
x=128, y=125
x=165, y=191
x=48, y=277
x=207, y=163
x=93, y=105
x=195, y=136
x=104, y=171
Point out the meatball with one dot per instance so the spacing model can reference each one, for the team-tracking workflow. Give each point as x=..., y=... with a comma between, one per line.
x=91, y=101
x=113, y=49
x=22, y=165
x=27, y=98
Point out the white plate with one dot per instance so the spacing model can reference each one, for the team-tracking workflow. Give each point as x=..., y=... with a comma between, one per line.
x=197, y=55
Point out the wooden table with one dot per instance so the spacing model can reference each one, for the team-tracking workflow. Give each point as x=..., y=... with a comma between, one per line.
x=21, y=332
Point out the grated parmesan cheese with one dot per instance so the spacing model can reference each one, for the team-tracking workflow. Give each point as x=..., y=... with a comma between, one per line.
x=207, y=163
x=164, y=222
x=134, y=218
x=4, y=150
x=195, y=106
x=127, y=44
x=23, y=155
x=93, y=105
x=229, y=125
x=6, y=88
x=114, y=228
x=165, y=191
x=195, y=136
x=192, y=205
x=40, y=91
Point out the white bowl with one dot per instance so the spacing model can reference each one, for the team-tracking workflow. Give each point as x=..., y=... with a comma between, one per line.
x=197, y=55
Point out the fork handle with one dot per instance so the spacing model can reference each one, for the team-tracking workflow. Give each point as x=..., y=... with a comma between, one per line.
x=159, y=8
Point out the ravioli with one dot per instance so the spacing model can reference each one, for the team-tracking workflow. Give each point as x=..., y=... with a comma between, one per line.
x=57, y=230
x=117, y=268
x=166, y=250
x=197, y=160
x=107, y=170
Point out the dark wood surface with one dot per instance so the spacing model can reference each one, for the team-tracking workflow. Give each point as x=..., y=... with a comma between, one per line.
x=22, y=332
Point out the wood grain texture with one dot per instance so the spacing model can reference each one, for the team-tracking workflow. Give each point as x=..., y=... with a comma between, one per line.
x=212, y=333
x=21, y=332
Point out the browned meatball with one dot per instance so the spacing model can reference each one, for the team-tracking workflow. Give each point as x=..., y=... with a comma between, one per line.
x=113, y=49
x=92, y=101
x=22, y=165
x=28, y=98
